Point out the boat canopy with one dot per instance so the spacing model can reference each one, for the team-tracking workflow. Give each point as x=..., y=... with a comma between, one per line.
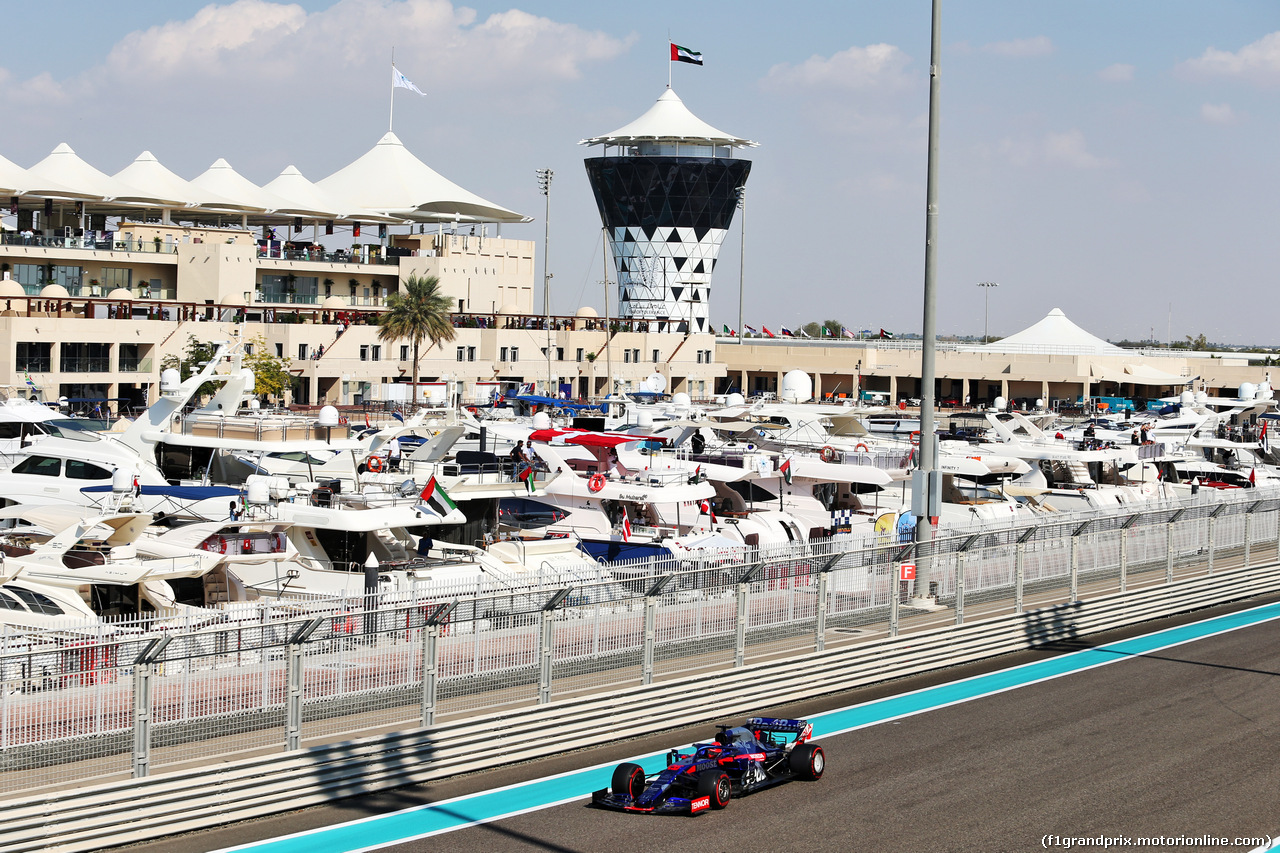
x=587, y=438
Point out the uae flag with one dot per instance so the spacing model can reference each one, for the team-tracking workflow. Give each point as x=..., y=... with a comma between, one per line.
x=526, y=477
x=885, y=334
x=626, y=526
x=683, y=54
x=434, y=499
x=785, y=469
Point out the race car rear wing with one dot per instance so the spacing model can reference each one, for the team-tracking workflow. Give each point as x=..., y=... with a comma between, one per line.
x=802, y=729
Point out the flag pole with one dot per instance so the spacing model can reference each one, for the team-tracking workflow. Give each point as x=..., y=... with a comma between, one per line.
x=392, y=113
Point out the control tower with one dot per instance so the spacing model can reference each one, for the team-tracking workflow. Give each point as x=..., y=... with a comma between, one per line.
x=667, y=192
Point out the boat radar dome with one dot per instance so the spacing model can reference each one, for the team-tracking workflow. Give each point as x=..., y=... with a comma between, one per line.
x=999, y=404
x=541, y=420
x=681, y=400
x=1202, y=398
x=734, y=399
x=1039, y=404
x=328, y=416
x=121, y=481
x=1247, y=391
x=1187, y=398
x=170, y=381
x=644, y=420
x=797, y=387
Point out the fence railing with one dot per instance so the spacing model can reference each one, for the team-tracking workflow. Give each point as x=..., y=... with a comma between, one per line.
x=123, y=699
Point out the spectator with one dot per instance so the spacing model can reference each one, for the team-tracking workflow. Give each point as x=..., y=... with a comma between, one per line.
x=393, y=454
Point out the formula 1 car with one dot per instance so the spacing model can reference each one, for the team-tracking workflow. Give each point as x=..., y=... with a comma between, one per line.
x=742, y=759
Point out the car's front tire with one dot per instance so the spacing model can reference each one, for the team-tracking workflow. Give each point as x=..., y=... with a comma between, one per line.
x=715, y=785
x=808, y=761
x=628, y=780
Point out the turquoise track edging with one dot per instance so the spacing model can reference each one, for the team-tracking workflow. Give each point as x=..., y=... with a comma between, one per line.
x=398, y=827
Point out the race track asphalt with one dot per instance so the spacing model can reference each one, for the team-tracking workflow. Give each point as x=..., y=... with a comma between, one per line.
x=1175, y=742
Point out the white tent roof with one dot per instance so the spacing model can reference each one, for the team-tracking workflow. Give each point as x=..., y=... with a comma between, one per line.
x=225, y=182
x=1139, y=374
x=301, y=196
x=15, y=180
x=669, y=120
x=65, y=168
x=389, y=179
x=1056, y=334
x=156, y=185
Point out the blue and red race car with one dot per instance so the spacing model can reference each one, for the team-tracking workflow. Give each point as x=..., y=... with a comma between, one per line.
x=762, y=752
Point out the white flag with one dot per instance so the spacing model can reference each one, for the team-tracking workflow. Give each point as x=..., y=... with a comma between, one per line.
x=403, y=82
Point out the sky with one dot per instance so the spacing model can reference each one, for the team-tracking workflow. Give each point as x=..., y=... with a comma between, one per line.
x=1114, y=160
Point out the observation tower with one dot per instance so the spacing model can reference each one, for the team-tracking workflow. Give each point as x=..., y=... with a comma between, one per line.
x=667, y=186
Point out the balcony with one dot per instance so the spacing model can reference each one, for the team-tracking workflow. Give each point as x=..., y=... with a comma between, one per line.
x=112, y=244
x=135, y=365
x=86, y=364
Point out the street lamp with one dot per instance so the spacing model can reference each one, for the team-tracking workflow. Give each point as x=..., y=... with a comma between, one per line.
x=544, y=185
x=986, y=298
x=742, y=250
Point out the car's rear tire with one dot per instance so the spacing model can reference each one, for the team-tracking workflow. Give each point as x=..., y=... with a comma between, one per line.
x=716, y=786
x=628, y=780
x=808, y=761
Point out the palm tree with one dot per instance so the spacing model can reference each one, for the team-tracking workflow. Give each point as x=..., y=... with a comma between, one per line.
x=418, y=312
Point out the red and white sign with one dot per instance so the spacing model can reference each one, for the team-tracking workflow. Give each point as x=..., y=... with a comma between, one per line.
x=699, y=804
x=908, y=572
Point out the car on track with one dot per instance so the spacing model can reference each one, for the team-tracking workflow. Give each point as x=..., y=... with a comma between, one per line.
x=764, y=751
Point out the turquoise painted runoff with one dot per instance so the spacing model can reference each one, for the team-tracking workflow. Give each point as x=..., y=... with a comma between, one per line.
x=397, y=827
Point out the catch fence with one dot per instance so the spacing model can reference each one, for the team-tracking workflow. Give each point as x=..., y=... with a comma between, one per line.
x=110, y=701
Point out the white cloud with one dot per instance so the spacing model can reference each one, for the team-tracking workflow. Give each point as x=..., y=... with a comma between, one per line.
x=1218, y=113
x=1118, y=73
x=1035, y=46
x=876, y=66
x=1258, y=62
x=1053, y=149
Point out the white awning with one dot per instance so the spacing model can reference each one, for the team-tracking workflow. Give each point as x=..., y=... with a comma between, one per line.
x=669, y=120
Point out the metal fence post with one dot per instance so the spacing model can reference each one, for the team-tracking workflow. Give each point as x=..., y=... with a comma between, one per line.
x=1124, y=559
x=740, y=626
x=1168, y=550
x=141, y=720
x=960, y=588
x=895, y=596
x=1075, y=569
x=431, y=658
x=650, y=638
x=820, y=617
x=1019, y=575
x=1248, y=523
x=546, y=637
x=1212, y=519
x=293, y=678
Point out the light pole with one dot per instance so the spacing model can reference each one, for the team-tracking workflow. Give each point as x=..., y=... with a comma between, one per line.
x=742, y=251
x=986, y=300
x=544, y=184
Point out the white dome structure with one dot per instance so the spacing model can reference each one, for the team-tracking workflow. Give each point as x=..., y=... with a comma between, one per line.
x=587, y=311
x=9, y=288
x=120, y=293
x=797, y=387
x=54, y=291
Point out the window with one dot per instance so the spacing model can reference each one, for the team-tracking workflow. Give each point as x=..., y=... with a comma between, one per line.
x=655, y=356
x=364, y=352
x=302, y=352
x=36, y=602
x=30, y=276
x=462, y=353
x=279, y=350
x=559, y=353
x=34, y=357
x=626, y=356
x=130, y=358
x=113, y=277
x=580, y=354
x=404, y=353
x=79, y=470
x=8, y=602
x=515, y=353
x=699, y=356
x=502, y=354
x=85, y=358
x=375, y=352
x=635, y=355
x=42, y=466
x=471, y=353
x=248, y=349
x=10, y=429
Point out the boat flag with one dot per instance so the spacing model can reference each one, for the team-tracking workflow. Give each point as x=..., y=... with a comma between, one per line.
x=785, y=470
x=885, y=334
x=1262, y=436
x=399, y=81
x=435, y=500
x=684, y=54
x=626, y=526
x=526, y=477
x=27, y=375
x=704, y=508
x=767, y=332
x=1252, y=472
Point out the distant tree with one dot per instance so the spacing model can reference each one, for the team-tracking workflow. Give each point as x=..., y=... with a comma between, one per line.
x=834, y=328
x=270, y=372
x=418, y=312
x=813, y=330
x=1199, y=343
